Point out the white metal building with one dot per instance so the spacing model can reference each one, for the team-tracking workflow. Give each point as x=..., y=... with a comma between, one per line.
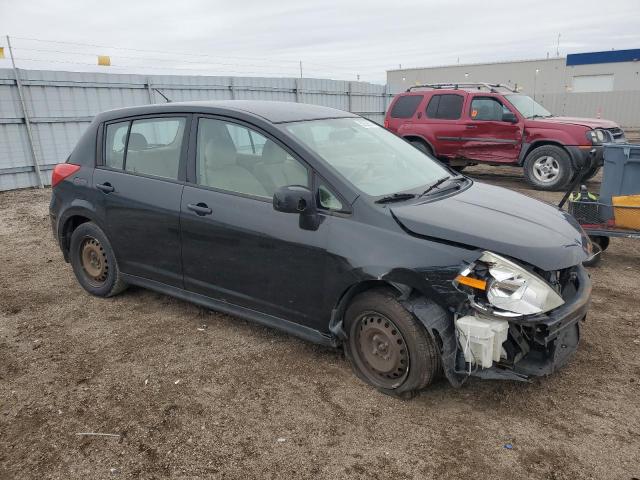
x=597, y=84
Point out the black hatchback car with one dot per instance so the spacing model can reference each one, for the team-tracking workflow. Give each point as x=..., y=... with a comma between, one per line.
x=325, y=225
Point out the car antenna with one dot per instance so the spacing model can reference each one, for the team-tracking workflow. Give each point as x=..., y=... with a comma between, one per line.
x=162, y=95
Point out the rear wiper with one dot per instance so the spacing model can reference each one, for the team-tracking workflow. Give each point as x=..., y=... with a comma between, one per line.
x=396, y=197
x=435, y=184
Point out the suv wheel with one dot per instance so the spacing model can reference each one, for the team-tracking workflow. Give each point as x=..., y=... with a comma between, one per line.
x=94, y=262
x=424, y=148
x=548, y=168
x=388, y=347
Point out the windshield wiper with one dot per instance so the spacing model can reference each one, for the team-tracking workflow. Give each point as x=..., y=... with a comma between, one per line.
x=395, y=197
x=435, y=184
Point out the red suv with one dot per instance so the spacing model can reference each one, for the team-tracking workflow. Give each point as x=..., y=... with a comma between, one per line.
x=471, y=123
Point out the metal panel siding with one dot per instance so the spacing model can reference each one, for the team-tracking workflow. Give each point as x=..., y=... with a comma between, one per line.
x=60, y=105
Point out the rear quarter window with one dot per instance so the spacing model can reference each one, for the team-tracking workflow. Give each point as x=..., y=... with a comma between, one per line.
x=406, y=106
x=445, y=106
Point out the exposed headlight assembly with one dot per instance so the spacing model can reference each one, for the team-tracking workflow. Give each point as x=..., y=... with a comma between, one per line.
x=507, y=286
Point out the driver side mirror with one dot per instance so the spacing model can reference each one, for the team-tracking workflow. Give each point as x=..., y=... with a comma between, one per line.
x=509, y=117
x=300, y=200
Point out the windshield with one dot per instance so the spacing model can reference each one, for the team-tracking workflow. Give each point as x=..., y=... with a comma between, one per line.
x=374, y=160
x=527, y=106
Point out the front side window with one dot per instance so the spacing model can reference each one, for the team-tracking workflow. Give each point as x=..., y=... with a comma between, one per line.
x=488, y=109
x=238, y=159
x=116, y=137
x=327, y=199
x=406, y=106
x=154, y=146
x=372, y=159
x=445, y=106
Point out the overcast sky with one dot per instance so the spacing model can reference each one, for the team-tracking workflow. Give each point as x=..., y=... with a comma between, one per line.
x=333, y=39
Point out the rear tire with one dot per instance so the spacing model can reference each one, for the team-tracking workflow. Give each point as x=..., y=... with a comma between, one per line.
x=548, y=168
x=388, y=347
x=94, y=262
x=423, y=147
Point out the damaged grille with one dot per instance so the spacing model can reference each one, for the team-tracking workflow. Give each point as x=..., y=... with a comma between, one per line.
x=617, y=134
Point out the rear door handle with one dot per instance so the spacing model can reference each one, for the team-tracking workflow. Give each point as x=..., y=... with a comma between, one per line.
x=200, y=208
x=105, y=187
x=471, y=126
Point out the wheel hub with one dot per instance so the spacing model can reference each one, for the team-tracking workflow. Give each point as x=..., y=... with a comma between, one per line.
x=94, y=260
x=382, y=349
x=546, y=169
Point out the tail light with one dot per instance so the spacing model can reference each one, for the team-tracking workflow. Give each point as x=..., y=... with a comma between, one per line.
x=386, y=123
x=62, y=171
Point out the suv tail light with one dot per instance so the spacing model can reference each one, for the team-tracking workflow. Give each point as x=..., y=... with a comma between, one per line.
x=62, y=171
x=386, y=123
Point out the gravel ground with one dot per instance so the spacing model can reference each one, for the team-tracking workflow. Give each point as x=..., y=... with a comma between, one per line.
x=197, y=394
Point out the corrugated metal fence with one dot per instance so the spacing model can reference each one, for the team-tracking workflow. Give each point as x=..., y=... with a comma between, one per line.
x=61, y=104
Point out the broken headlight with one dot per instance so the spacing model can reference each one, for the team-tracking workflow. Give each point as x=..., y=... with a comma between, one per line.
x=507, y=286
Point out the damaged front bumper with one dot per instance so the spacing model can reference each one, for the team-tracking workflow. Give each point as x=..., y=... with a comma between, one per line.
x=537, y=345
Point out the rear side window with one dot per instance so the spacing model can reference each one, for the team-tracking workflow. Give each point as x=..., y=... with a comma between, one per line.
x=154, y=147
x=406, y=106
x=445, y=106
x=487, y=108
x=116, y=138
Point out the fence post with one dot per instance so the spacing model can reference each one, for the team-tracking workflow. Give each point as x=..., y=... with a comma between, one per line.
x=298, y=86
x=150, y=91
x=27, y=122
x=350, y=103
x=385, y=94
x=233, y=93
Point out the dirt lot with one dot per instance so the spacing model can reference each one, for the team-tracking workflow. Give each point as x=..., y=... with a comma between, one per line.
x=198, y=394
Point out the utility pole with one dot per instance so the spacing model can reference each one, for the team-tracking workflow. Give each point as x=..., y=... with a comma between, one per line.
x=558, y=47
x=27, y=122
x=300, y=68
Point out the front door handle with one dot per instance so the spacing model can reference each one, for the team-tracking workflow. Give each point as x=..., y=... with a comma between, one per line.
x=105, y=187
x=200, y=208
x=471, y=126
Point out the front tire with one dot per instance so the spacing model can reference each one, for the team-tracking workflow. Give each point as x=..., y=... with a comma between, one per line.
x=548, y=168
x=94, y=262
x=388, y=347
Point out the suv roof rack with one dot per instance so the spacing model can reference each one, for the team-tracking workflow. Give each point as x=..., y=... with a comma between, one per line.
x=492, y=87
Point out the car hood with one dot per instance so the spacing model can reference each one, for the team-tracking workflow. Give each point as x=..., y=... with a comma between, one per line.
x=585, y=122
x=502, y=221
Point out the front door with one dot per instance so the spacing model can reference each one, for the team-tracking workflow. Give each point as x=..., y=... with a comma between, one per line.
x=236, y=248
x=486, y=136
x=139, y=184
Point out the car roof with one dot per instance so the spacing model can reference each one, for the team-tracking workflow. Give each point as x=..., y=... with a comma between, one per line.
x=273, y=111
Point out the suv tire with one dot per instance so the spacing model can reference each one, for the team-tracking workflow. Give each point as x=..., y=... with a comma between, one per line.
x=94, y=262
x=548, y=168
x=423, y=147
x=388, y=347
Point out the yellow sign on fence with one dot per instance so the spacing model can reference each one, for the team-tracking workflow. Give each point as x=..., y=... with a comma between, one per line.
x=1, y=52
x=104, y=60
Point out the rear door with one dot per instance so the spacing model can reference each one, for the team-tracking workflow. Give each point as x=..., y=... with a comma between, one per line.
x=440, y=123
x=236, y=248
x=487, y=137
x=140, y=177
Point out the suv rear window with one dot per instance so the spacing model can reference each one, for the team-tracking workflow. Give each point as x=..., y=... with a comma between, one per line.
x=445, y=106
x=406, y=106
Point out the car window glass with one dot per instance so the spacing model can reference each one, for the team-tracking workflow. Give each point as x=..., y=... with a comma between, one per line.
x=327, y=199
x=486, y=108
x=154, y=147
x=445, y=106
x=239, y=159
x=406, y=106
x=114, y=144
